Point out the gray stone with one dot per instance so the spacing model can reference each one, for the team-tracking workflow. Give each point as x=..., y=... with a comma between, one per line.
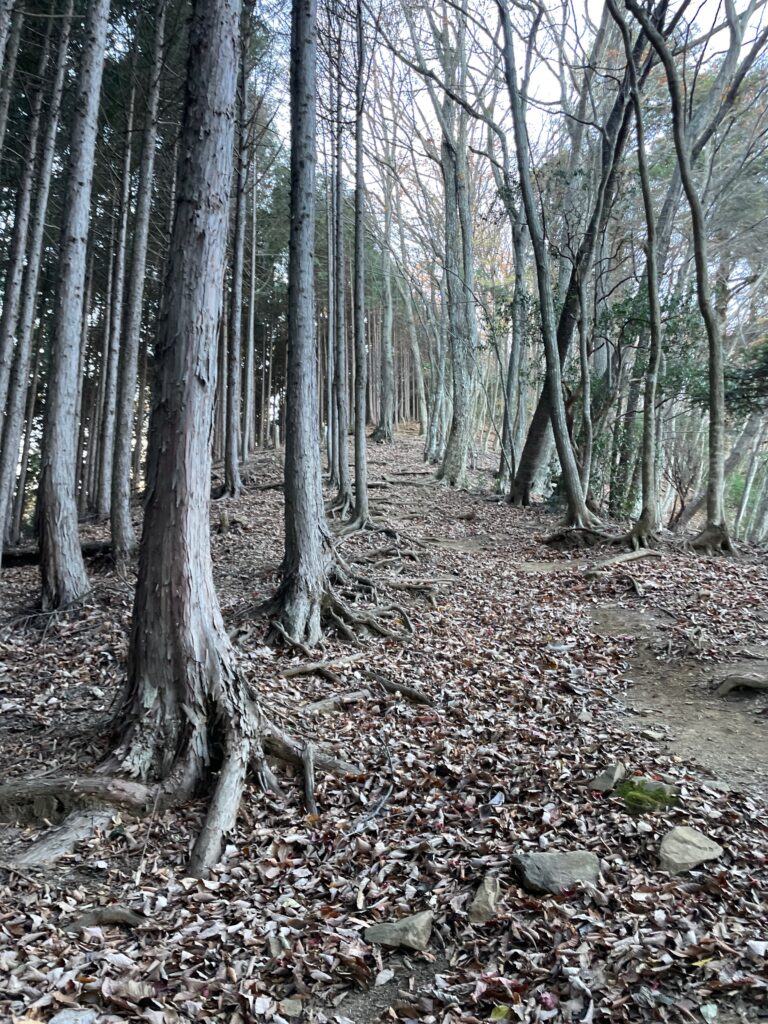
x=556, y=872
x=683, y=848
x=412, y=932
x=483, y=906
x=75, y=1016
x=654, y=785
x=608, y=777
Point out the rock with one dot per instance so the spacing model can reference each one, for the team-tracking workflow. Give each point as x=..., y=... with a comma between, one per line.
x=290, y=1007
x=654, y=785
x=654, y=734
x=483, y=906
x=75, y=1016
x=556, y=872
x=412, y=932
x=683, y=848
x=608, y=777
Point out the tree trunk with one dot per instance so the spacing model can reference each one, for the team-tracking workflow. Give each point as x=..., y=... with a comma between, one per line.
x=15, y=271
x=361, y=353
x=249, y=393
x=185, y=703
x=9, y=69
x=386, y=424
x=61, y=563
x=232, y=455
x=123, y=537
x=14, y=413
x=343, y=498
x=578, y=514
x=306, y=561
x=113, y=355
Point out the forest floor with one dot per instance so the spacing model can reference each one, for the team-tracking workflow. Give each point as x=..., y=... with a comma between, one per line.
x=539, y=677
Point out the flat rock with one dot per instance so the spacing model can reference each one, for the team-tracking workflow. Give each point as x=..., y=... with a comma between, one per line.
x=557, y=872
x=684, y=848
x=412, y=932
x=483, y=906
x=608, y=777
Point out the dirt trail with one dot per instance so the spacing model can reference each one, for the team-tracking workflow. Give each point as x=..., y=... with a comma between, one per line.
x=726, y=735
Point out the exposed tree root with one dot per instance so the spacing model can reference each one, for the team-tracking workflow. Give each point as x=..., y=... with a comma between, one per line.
x=580, y=537
x=627, y=556
x=749, y=680
x=95, y=799
x=713, y=540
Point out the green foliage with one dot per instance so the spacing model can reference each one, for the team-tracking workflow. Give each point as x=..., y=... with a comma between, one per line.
x=641, y=798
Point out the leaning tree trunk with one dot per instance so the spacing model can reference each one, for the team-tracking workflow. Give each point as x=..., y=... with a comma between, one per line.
x=61, y=562
x=185, y=703
x=306, y=562
x=715, y=534
x=123, y=537
x=578, y=513
x=648, y=523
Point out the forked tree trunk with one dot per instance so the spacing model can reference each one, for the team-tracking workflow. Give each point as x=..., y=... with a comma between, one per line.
x=307, y=561
x=62, y=569
x=123, y=537
x=185, y=702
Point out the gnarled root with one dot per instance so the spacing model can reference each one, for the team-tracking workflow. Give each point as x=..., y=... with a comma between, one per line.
x=713, y=540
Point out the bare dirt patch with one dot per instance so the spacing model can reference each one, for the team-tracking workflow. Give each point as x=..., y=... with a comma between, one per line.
x=675, y=699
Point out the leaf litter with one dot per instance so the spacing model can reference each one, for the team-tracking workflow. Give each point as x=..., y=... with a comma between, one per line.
x=524, y=696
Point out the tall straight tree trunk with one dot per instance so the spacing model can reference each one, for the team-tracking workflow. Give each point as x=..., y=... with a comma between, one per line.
x=249, y=421
x=9, y=69
x=232, y=482
x=6, y=14
x=14, y=275
x=343, y=499
x=61, y=562
x=123, y=537
x=361, y=354
x=14, y=413
x=14, y=528
x=386, y=425
x=333, y=449
x=181, y=705
x=509, y=449
x=306, y=562
x=104, y=498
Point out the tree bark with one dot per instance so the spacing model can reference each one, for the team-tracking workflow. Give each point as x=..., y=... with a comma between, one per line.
x=14, y=413
x=232, y=483
x=306, y=562
x=185, y=703
x=63, y=573
x=123, y=537
x=361, y=354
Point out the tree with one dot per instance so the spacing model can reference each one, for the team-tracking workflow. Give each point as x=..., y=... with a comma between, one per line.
x=63, y=573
